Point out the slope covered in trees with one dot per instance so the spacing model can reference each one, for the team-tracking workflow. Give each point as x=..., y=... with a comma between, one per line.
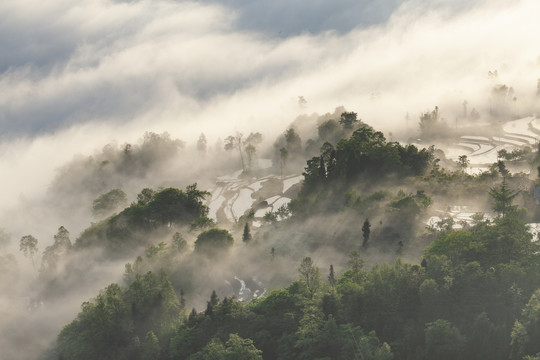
x=469, y=299
x=154, y=210
x=468, y=294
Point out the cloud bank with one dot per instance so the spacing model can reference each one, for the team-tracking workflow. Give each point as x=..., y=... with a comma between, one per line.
x=79, y=75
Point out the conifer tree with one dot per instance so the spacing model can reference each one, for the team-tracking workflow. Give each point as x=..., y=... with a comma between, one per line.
x=503, y=197
x=332, y=277
x=246, y=237
x=366, y=230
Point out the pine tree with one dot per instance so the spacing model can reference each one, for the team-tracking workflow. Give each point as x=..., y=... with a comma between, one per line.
x=246, y=237
x=503, y=197
x=214, y=300
x=182, y=299
x=366, y=230
x=332, y=277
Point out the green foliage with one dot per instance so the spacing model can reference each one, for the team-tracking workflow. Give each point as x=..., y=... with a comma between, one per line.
x=150, y=347
x=443, y=340
x=310, y=275
x=506, y=240
x=107, y=326
x=526, y=331
x=330, y=131
x=201, y=223
x=236, y=348
x=365, y=155
x=213, y=241
x=145, y=196
x=502, y=199
x=102, y=329
x=270, y=217
x=154, y=210
x=348, y=120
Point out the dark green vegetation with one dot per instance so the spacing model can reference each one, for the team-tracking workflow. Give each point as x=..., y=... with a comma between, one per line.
x=472, y=293
x=153, y=211
x=474, y=298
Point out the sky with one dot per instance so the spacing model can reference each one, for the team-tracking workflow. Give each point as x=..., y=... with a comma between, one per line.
x=76, y=75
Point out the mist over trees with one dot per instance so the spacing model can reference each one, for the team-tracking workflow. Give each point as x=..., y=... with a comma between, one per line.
x=393, y=288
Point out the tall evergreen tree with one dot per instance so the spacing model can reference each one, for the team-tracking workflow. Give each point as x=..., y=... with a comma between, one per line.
x=503, y=197
x=246, y=236
x=366, y=230
x=332, y=277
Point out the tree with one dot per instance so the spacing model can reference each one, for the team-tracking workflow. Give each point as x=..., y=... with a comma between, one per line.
x=102, y=330
x=443, y=340
x=502, y=168
x=28, y=246
x=462, y=162
x=502, y=199
x=235, y=142
x=283, y=155
x=241, y=349
x=348, y=119
x=235, y=348
x=332, y=277
x=201, y=144
x=202, y=222
x=246, y=236
x=366, y=230
x=293, y=141
x=145, y=196
x=210, y=305
x=213, y=241
x=310, y=275
x=429, y=123
x=330, y=131
x=179, y=243
x=62, y=243
x=108, y=203
x=322, y=170
x=526, y=330
x=150, y=347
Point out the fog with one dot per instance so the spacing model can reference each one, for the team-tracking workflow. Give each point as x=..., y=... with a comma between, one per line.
x=75, y=77
x=164, y=66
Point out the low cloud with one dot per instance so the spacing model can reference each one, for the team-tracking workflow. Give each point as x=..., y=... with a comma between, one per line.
x=80, y=75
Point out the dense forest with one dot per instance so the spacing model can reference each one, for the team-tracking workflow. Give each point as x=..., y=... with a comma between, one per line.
x=392, y=289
